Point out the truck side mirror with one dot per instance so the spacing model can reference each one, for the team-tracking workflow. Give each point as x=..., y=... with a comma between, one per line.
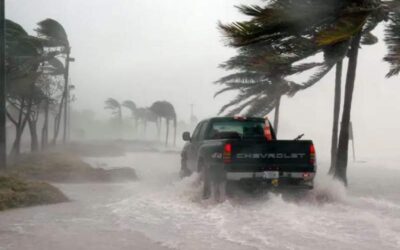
x=186, y=136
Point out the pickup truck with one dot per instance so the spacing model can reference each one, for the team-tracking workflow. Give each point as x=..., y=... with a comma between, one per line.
x=244, y=150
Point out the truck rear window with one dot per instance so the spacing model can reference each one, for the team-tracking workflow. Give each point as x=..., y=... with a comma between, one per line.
x=236, y=129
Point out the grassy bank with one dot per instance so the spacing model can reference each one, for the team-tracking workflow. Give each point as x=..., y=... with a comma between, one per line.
x=24, y=182
x=65, y=168
x=16, y=193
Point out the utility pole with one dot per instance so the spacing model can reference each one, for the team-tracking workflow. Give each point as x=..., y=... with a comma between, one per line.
x=66, y=93
x=191, y=111
x=3, y=145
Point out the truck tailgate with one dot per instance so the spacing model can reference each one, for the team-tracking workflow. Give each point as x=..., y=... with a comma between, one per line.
x=282, y=155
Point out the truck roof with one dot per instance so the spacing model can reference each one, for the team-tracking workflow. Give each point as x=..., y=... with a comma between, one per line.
x=231, y=118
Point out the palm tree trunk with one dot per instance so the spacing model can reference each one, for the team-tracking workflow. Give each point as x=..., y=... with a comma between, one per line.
x=159, y=121
x=167, y=133
x=34, y=137
x=16, y=147
x=45, y=129
x=19, y=130
x=175, y=125
x=57, y=121
x=276, y=116
x=66, y=88
x=336, y=113
x=120, y=123
x=343, y=146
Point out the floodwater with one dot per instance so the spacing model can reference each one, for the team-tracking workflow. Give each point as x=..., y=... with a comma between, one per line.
x=160, y=211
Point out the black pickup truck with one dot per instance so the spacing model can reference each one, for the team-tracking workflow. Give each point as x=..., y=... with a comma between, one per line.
x=226, y=150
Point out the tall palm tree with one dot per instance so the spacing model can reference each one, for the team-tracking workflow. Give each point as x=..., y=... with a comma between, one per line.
x=50, y=70
x=166, y=110
x=54, y=33
x=336, y=112
x=329, y=25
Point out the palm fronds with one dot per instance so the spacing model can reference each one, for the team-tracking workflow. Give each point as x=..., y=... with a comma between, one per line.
x=53, y=32
x=129, y=105
x=392, y=39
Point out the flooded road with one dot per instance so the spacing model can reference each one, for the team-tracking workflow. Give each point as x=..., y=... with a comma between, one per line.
x=160, y=211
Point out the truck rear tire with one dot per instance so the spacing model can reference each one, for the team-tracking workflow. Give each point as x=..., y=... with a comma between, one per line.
x=205, y=177
x=214, y=186
x=184, y=172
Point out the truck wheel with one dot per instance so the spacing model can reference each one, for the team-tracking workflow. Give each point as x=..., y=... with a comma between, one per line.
x=214, y=184
x=231, y=188
x=184, y=172
x=205, y=176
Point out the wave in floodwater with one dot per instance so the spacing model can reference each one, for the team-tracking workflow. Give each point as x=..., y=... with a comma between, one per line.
x=170, y=211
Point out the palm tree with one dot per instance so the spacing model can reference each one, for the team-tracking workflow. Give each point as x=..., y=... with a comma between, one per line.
x=258, y=94
x=130, y=105
x=336, y=112
x=342, y=153
x=166, y=110
x=329, y=25
x=50, y=70
x=54, y=33
x=145, y=115
x=116, y=109
x=260, y=81
x=25, y=54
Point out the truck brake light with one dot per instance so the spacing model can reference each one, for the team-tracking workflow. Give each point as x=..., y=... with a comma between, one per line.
x=227, y=155
x=307, y=176
x=240, y=118
x=312, y=154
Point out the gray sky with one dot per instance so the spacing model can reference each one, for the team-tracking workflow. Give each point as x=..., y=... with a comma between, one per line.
x=170, y=49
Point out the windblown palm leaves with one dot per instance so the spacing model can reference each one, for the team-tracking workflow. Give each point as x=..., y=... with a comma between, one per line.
x=113, y=105
x=130, y=105
x=23, y=52
x=392, y=39
x=281, y=34
x=53, y=67
x=53, y=32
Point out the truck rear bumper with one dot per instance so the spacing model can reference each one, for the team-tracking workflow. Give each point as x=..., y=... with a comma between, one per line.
x=285, y=179
x=249, y=175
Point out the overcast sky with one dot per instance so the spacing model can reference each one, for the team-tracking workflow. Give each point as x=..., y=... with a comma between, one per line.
x=152, y=50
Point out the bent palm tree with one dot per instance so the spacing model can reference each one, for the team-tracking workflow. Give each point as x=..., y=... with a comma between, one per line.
x=115, y=108
x=56, y=37
x=329, y=25
x=25, y=54
x=145, y=115
x=130, y=105
x=166, y=110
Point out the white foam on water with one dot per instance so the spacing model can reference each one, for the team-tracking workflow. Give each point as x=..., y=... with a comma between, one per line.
x=170, y=211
